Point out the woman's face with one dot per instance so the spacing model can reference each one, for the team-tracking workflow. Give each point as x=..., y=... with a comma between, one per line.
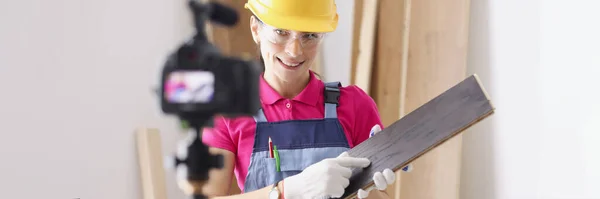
x=288, y=55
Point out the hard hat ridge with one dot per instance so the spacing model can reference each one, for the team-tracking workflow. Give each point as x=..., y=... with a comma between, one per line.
x=298, y=15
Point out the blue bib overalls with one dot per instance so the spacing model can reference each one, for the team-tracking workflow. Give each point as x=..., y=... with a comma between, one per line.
x=300, y=143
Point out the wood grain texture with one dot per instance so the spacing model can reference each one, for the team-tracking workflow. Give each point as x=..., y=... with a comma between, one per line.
x=438, y=58
x=356, y=22
x=237, y=40
x=150, y=162
x=364, y=62
x=420, y=131
x=389, y=67
x=240, y=36
x=391, y=47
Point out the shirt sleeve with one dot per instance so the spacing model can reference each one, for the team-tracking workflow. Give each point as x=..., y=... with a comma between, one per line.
x=218, y=136
x=366, y=115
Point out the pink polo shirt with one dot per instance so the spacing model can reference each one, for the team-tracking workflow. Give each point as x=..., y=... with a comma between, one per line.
x=357, y=113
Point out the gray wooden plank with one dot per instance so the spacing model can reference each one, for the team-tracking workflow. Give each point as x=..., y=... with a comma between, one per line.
x=437, y=121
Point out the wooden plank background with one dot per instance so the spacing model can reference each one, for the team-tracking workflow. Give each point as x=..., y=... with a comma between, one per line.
x=366, y=44
x=423, y=45
x=437, y=58
x=150, y=163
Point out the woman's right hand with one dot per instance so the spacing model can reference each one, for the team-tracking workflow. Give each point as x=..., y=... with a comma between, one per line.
x=324, y=179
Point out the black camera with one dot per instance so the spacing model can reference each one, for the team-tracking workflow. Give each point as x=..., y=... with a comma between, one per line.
x=198, y=81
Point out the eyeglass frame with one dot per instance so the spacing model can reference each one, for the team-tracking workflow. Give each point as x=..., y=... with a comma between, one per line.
x=265, y=29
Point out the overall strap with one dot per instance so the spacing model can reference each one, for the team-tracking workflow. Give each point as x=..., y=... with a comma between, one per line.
x=332, y=97
x=260, y=116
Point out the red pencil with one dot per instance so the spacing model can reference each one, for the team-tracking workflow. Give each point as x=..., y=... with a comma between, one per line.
x=270, y=148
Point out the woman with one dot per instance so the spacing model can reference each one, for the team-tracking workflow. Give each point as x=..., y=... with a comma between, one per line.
x=295, y=146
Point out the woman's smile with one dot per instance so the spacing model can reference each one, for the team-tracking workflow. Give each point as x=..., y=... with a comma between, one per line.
x=291, y=65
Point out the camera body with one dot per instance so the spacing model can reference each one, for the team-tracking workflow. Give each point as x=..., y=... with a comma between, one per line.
x=197, y=83
x=198, y=80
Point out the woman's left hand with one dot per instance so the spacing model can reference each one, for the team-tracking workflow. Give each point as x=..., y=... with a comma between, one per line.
x=381, y=179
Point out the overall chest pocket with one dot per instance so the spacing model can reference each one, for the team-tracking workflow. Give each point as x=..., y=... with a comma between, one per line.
x=287, y=167
x=296, y=160
x=263, y=170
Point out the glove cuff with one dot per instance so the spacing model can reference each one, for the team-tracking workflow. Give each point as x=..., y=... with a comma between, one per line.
x=281, y=187
x=289, y=189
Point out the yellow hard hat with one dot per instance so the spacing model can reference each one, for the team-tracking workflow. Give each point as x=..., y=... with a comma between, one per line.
x=298, y=15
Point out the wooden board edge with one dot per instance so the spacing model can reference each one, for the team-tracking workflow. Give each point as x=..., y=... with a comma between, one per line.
x=487, y=96
x=366, y=45
x=150, y=163
x=356, y=16
x=442, y=141
x=449, y=137
x=404, y=65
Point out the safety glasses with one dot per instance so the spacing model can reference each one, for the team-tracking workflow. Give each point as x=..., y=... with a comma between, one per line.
x=283, y=37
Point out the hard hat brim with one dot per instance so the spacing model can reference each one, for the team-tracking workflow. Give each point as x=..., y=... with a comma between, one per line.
x=303, y=24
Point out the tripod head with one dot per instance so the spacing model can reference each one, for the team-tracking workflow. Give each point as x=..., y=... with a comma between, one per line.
x=198, y=83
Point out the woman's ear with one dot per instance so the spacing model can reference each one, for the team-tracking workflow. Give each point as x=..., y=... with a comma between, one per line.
x=255, y=28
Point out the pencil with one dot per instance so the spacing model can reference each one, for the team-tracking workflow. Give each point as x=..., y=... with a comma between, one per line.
x=277, y=163
x=271, y=148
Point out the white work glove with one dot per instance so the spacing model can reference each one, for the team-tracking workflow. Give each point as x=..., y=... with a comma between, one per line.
x=325, y=179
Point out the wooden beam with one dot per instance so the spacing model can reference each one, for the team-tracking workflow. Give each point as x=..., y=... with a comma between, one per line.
x=389, y=59
x=389, y=71
x=240, y=36
x=220, y=38
x=237, y=40
x=438, y=39
x=357, y=18
x=150, y=162
x=366, y=44
x=422, y=130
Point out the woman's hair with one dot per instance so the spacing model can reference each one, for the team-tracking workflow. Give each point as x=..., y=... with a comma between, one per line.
x=260, y=58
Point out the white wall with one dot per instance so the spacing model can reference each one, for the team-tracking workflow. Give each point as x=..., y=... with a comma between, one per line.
x=570, y=40
x=337, y=48
x=75, y=78
x=502, y=154
x=540, y=64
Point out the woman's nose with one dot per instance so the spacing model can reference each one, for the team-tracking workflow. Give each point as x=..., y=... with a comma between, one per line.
x=294, y=48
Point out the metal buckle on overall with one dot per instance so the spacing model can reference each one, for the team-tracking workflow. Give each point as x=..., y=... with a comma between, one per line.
x=332, y=95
